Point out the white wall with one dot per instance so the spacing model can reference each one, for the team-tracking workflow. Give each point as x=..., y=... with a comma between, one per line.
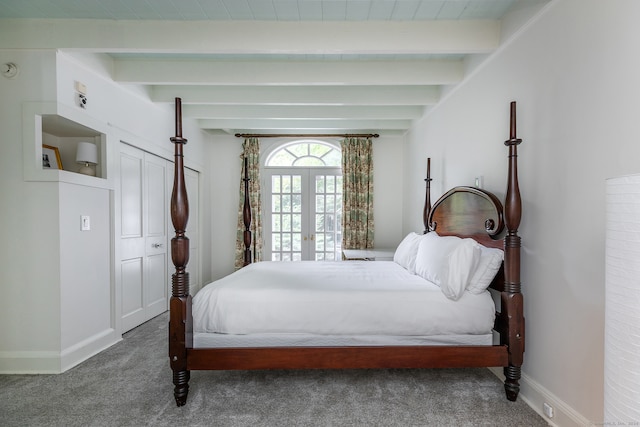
x=59, y=284
x=25, y=220
x=125, y=109
x=573, y=72
x=388, y=160
x=225, y=184
x=85, y=294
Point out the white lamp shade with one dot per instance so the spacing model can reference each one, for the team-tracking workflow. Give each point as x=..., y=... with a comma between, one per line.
x=87, y=152
x=622, y=298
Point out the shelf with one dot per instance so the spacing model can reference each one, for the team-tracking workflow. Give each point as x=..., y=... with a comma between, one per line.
x=65, y=135
x=46, y=124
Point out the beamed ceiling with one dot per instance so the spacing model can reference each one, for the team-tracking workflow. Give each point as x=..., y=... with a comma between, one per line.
x=279, y=66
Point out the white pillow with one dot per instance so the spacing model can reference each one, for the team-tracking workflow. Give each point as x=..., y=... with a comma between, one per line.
x=488, y=267
x=448, y=262
x=406, y=252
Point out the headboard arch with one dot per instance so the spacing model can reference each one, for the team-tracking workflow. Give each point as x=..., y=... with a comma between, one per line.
x=469, y=212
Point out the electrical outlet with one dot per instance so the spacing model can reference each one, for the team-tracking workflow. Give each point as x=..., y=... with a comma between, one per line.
x=547, y=409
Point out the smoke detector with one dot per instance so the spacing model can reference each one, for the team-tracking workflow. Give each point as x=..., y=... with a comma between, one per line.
x=9, y=70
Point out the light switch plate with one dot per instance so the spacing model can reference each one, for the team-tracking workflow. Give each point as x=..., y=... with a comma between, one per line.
x=85, y=223
x=80, y=87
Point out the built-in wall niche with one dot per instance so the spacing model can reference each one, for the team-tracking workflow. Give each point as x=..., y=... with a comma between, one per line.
x=62, y=141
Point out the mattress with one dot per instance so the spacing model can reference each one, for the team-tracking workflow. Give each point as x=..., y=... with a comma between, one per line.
x=335, y=303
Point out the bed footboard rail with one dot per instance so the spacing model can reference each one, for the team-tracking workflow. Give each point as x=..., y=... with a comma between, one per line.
x=365, y=357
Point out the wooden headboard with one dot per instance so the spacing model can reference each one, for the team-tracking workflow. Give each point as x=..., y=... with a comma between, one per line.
x=468, y=212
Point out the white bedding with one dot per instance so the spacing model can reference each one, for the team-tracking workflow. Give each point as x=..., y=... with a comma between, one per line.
x=356, y=298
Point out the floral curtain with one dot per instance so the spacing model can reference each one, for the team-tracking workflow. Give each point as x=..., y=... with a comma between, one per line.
x=251, y=152
x=357, y=203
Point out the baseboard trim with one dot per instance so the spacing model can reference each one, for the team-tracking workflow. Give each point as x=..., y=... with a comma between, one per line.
x=535, y=395
x=29, y=362
x=53, y=362
x=82, y=351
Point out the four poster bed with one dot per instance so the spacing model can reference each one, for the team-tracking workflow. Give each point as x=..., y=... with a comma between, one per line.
x=391, y=305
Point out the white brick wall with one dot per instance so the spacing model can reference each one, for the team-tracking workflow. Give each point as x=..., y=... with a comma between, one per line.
x=622, y=301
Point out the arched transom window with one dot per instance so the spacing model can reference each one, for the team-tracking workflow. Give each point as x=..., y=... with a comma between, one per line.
x=305, y=154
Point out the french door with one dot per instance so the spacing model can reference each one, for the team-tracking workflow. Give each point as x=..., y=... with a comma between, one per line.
x=303, y=212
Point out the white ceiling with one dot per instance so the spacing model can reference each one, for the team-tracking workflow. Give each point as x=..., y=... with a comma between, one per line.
x=279, y=66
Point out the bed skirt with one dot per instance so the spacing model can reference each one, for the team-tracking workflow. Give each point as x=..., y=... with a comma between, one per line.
x=207, y=340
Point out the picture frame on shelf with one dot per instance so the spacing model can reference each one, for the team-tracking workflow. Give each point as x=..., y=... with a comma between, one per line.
x=51, y=157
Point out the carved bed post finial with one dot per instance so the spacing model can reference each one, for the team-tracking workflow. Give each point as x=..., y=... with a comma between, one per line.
x=427, y=199
x=180, y=326
x=511, y=298
x=246, y=215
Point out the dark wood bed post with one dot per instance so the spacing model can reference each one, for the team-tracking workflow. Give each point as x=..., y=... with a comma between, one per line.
x=427, y=198
x=180, y=321
x=246, y=215
x=511, y=298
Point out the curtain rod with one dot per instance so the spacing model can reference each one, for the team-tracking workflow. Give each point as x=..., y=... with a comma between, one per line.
x=307, y=135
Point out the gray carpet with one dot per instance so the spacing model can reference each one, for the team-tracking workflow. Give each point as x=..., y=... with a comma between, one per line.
x=129, y=384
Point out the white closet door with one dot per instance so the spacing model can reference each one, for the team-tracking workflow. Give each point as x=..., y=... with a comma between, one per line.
x=156, y=215
x=143, y=237
x=131, y=237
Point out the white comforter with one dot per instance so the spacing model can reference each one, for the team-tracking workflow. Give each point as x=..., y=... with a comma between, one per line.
x=336, y=298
